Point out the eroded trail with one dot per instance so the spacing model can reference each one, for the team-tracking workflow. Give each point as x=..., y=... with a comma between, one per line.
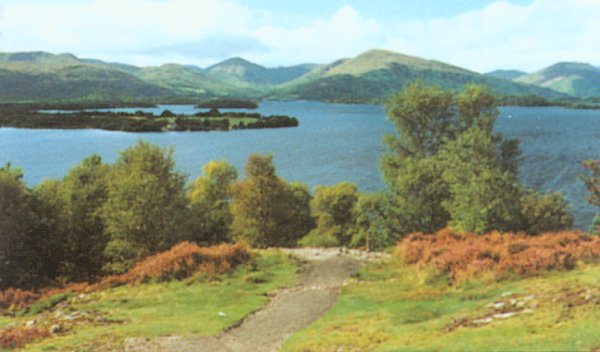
x=289, y=311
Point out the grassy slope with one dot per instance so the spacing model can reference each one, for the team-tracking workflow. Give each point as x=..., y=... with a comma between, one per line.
x=577, y=79
x=186, y=81
x=394, y=307
x=182, y=308
x=377, y=74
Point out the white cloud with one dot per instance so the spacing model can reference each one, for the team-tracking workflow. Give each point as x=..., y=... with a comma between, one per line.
x=504, y=35
x=116, y=26
x=501, y=35
x=345, y=33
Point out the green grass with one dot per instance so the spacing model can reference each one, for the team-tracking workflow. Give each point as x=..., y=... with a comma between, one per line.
x=180, y=307
x=394, y=307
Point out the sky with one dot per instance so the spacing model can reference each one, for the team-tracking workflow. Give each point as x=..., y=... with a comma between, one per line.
x=480, y=35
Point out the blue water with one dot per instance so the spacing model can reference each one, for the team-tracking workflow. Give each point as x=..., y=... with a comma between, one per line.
x=334, y=142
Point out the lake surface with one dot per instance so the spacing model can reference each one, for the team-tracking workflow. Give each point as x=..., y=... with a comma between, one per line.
x=334, y=142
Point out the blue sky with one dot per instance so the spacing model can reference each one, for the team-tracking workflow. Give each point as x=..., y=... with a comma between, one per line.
x=480, y=35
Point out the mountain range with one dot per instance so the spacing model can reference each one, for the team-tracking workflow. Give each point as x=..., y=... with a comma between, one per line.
x=368, y=77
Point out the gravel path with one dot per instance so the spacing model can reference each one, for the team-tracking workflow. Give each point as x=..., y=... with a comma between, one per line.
x=290, y=310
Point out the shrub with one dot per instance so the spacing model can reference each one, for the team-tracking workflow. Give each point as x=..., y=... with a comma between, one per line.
x=465, y=256
x=18, y=337
x=325, y=239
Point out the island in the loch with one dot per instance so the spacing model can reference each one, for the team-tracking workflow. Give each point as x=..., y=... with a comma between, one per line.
x=84, y=117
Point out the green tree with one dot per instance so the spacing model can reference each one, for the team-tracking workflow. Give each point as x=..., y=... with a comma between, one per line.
x=592, y=183
x=265, y=208
x=544, y=213
x=375, y=220
x=446, y=165
x=300, y=218
x=425, y=117
x=210, y=199
x=17, y=258
x=482, y=196
x=48, y=230
x=145, y=206
x=85, y=190
x=332, y=207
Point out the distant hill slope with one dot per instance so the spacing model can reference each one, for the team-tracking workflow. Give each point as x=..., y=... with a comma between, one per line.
x=577, y=79
x=75, y=83
x=506, y=74
x=376, y=74
x=41, y=76
x=371, y=76
x=188, y=81
x=242, y=72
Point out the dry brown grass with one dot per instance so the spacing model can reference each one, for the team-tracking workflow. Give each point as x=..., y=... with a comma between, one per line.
x=19, y=336
x=181, y=261
x=465, y=256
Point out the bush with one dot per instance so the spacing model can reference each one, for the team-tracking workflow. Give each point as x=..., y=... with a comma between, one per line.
x=544, y=213
x=325, y=239
x=466, y=256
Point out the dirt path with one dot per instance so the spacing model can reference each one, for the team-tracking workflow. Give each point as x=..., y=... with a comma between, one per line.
x=290, y=310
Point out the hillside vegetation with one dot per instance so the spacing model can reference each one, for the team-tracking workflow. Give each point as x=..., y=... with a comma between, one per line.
x=194, y=298
x=394, y=306
x=576, y=79
x=501, y=270
x=506, y=74
x=370, y=77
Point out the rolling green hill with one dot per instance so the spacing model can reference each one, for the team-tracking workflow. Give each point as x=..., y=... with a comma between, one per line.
x=506, y=74
x=576, y=79
x=245, y=73
x=376, y=74
x=188, y=81
x=75, y=83
x=40, y=76
x=369, y=77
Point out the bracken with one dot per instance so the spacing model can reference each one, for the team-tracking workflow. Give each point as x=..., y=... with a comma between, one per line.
x=19, y=336
x=464, y=256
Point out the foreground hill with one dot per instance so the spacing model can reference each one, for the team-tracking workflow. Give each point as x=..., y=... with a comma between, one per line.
x=376, y=74
x=573, y=78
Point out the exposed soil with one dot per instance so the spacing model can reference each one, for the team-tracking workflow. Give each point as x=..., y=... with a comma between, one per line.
x=290, y=310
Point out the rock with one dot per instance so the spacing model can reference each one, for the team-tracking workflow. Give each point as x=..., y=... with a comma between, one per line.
x=513, y=302
x=504, y=315
x=520, y=304
x=527, y=311
x=30, y=323
x=221, y=314
x=498, y=305
x=55, y=329
x=482, y=321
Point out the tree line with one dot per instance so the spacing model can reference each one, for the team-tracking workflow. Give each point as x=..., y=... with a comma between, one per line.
x=444, y=167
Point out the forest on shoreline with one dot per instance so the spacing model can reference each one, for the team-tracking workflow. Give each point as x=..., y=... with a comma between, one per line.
x=82, y=116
